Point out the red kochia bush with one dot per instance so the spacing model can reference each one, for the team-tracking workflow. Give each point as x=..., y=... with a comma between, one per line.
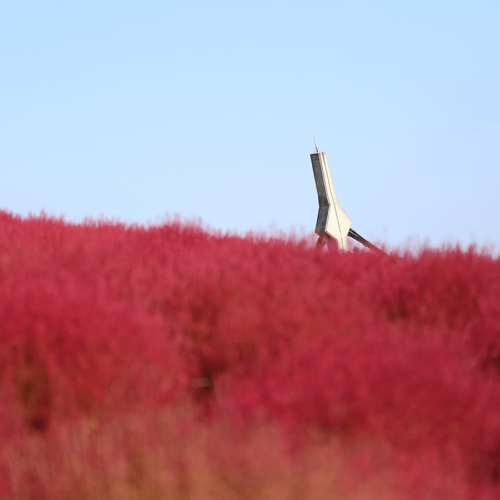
x=394, y=355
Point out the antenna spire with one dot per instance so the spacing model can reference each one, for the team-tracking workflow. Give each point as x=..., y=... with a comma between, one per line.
x=315, y=144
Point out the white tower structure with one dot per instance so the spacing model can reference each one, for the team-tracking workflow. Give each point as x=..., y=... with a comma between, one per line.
x=332, y=221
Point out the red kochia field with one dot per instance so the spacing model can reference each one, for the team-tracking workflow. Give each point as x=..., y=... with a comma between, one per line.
x=171, y=362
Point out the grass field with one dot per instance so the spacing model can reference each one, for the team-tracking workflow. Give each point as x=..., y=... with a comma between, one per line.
x=172, y=362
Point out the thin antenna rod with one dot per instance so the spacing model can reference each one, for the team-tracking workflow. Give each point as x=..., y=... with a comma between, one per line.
x=315, y=144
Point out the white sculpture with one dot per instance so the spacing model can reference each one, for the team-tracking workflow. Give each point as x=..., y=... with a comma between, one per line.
x=333, y=222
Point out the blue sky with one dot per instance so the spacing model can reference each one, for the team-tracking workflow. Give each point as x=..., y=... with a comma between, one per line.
x=134, y=110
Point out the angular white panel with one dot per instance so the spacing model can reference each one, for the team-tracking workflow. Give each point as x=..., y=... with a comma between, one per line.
x=332, y=220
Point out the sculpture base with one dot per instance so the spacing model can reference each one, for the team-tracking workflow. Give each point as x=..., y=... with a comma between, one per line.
x=332, y=243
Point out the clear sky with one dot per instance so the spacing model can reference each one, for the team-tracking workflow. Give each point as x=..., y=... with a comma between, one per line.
x=136, y=109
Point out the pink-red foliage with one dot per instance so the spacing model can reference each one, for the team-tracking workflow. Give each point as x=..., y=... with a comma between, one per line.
x=387, y=355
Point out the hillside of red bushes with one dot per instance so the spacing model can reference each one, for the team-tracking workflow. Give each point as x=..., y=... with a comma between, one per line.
x=174, y=362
